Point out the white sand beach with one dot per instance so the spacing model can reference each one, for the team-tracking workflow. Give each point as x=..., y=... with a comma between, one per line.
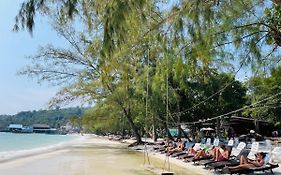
x=83, y=158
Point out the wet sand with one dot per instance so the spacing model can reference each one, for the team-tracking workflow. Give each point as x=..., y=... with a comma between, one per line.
x=89, y=156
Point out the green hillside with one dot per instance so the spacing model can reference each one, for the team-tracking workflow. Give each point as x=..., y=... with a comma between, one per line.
x=54, y=118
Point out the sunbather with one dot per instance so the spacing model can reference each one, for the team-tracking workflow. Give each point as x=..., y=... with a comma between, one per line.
x=245, y=163
x=179, y=147
x=191, y=151
x=221, y=153
x=210, y=152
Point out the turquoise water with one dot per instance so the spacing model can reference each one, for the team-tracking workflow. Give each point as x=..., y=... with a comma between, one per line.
x=17, y=142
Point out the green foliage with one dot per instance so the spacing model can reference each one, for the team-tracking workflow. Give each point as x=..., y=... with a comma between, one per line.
x=272, y=17
x=142, y=60
x=265, y=94
x=54, y=118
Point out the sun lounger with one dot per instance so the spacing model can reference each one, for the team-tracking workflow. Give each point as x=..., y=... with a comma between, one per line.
x=267, y=167
x=202, y=158
x=196, y=147
x=254, y=150
x=230, y=145
x=232, y=160
x=216, y=143
x=276, y=155
x=186, y=147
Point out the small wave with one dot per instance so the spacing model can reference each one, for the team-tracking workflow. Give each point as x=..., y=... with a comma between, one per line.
x=6, y=156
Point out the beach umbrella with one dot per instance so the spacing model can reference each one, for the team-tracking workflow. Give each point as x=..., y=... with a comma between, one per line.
x=207, y=129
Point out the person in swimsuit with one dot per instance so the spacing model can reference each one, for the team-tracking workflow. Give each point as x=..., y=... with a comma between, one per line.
x=221, y=153
x=245, y=163
x=207, y=152
x=177, y=147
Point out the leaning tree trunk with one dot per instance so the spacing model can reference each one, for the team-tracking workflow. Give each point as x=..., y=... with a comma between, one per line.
x=185, y=135
x=133, y=126
x=128, y=115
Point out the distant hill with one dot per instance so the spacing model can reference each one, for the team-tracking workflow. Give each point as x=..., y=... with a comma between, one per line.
x=54, y=118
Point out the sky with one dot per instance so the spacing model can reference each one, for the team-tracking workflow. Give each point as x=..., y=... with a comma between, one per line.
x=17, y=92
x=21, y=93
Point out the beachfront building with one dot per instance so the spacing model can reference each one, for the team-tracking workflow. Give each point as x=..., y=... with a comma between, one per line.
x=41, y=128
x=27, y=129
x=15, y=127
x=231, y=126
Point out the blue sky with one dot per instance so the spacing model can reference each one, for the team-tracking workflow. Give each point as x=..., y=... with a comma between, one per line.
x=20, y=93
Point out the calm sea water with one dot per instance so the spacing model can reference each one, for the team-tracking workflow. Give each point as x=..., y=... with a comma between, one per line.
x=80, y=159
x=18, y=142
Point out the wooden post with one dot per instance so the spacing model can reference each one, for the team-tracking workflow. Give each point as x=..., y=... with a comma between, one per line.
x=218, y=128
x=257, y=127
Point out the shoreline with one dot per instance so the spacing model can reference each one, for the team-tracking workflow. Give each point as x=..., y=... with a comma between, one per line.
x=7, y=156
x=77, y=156
x=65, y=155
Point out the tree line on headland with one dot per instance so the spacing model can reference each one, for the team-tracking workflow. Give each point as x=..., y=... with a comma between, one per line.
x=55, y=118
x=159, y=63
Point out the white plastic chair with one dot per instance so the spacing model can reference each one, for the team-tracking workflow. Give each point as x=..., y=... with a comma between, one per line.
x=276, y=155
x=236, y=151
x=216, y=142
x=208, y=142
x=230, y=142
x=254, y=150
x=197, y=146
x=268, y=145
x=236, y=141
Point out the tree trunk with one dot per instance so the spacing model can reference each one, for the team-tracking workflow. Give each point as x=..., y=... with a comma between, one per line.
x=133, y=126
x=165, y=124
x=128, y=115
x=184, y=134
x=155, y=136
x=178, y=120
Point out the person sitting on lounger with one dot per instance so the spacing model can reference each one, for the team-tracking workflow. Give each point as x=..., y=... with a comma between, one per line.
x=191, y=151
x=221, y=153
x=179, y=147
x=245, y=163
x=210, y=152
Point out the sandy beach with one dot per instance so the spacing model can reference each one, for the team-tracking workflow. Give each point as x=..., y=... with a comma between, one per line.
x=84, y=157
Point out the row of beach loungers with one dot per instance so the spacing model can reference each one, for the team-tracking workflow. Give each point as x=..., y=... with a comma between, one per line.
x=225, y=158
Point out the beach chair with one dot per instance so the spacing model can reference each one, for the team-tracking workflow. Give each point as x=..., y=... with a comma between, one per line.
x=208, y=142
x=268, y=145
x=207, y=158
x=236, y=141
x=230, y=143
x=253, y=151
x=216, y=142
x=196, y=147
x=186, y=147
x=233, y=160
x=276, y=155
x=266, y=168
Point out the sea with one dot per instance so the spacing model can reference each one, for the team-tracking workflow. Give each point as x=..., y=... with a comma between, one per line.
x=79, y=156
x=14, y=145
